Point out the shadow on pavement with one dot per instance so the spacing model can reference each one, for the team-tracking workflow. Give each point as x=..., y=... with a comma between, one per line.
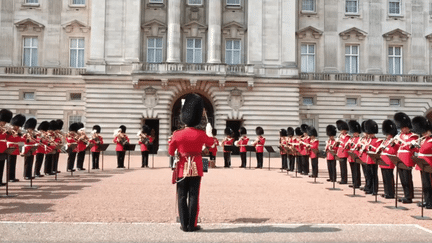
x=18, y=207
x=272, y=229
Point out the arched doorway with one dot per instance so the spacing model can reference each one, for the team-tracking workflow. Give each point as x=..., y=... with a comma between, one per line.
x=175, y=115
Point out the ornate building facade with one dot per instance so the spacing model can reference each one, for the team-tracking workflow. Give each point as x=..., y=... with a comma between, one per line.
x=269, y=63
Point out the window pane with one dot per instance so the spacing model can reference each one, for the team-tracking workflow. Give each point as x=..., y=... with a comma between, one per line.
x=311, y=48
x=391, y=67
x=34, y=57
x=75, y=96
x=311, y=64
x=308, y=5
x=233, y=2
x=197, y=43
x=159, y=42
x=236, y=58
x=307, y=101
x=237, y=45
x=159, y=55
x=398, y=66
x=80, y=43
x=34, y=42
x=354, y=65
x=80, y=58
x=26, y=57
x=74, y=43
x=304, y=62
x=390, y=50
x=151, y=42
x=228, y=45
x=303, y=49
x=397, y=51
x=195, y=2
x=351, y=101
x=198, y=56
x=190, y=43
x=228, y=57
x=347, y=50
x=347, y=65
x=355, y=50
x=150, y=55
x=73, y=58
x=189, y=56
x=28, y=95
x=27, y=41
x=395, y=102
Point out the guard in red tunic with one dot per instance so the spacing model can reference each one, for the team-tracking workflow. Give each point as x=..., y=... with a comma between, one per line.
x=82, y=142
x=282, y=145
x=71, y=138
x=17, y=122
x=242, y=143
x=59, y=139
x=291, y=155
x=213, y=149
x=297, y=149
x=330, y=146
x=313, y=146
x=351, y=145
x=189, y=169
x=405, y=152
x=5, y=117
x=29, y=143
x=259, y=146
x=304, y=149
x=228, y=141
x=373, y=143
x=96, y=140
x=388, y=147
x=121, y=139
x=40, y=151
x=145, y=140
x=342, y=151
x=50, y=148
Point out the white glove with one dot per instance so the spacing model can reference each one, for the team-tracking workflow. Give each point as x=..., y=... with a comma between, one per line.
x=209, y=130
x=236, y=143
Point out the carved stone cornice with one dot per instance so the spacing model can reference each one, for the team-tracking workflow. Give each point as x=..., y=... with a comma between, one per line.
x=233, y=30
x=194, y=28
x=29, y=24
x=74, y=25
x=353, y=33
x=154, y=28
x=312, y=31
x=403, y=35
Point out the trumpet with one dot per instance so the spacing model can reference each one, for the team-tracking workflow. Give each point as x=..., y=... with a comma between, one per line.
x=143, y=138
x=120, y=137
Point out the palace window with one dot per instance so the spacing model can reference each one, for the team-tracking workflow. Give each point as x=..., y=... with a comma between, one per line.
x=351, y=101
x=75, y=96
x=232, y=52
x=308, y=5
x=32, y=1
x=78, y=2
x=30, y=57
x=77, y=53
x=309, y=122
x=308, y=100
x=395, y=102
x=394, y=7
x=395, y=60
x=194, y=2
x=351, y=6
x=233, y=2
x=28, y=95
x=308, y=58
x=154, y=50
x=351, y=59
x=73, y=119
x=193, y=51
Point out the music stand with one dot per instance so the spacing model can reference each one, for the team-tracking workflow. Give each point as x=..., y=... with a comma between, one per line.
x=129, y=147
x=30, y=153
x=103, y=148
x=425, y=167
x=296, y=154
x=269, y=150
x=71, y=147
x=399, y=166
x=88, y=148
x=377, y=159
x=8, y=151
x=250, y=149
x=358, y=161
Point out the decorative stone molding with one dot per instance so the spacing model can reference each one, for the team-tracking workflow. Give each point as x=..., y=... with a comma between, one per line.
x=150, y=98
x=311, y=31
x=429, y=37
x=233, y=30
x=222, y=84
x=194, y=13
x=164, y=83
x=154, y=28
x=75, y=24
x=194, y=29
x=193, y=82
x=353, y=33
x=28, y=24
x=235, y=99
x=403, y=35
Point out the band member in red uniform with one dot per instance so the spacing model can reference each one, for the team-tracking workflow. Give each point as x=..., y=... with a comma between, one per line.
x=373, y=143
x=290, y=140
x=82, y=142
x=313, y=146
x=59, y=139
x=40, y=151
x=242, y=143
x=330, y=146
x=304, y=149
x=71, y=138
x=342, y=152
x=388, y=147
x=259, y=146
x=189, y=169
x=360, y=146
x=297, y=149
x=228, y=141
x=145, y=140
x=405, y=153
x=282, y=145
x=96, y=140
x=17, y=122
x=213, y=149
x=5, y=117
x=29, y=143
x=121, y=139
x=50, y=148
x=355, y=130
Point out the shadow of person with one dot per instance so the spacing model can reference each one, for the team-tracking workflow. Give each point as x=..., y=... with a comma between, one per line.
x=272, y=229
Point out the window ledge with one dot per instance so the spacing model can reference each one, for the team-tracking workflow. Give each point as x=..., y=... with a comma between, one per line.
x=233, y=7
x=155, y=5
x=306, y=12
x=395, y=17
x=30, y=5
x=77, y=5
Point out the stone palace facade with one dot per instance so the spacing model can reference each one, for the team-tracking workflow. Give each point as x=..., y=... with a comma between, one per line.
x=269, y=63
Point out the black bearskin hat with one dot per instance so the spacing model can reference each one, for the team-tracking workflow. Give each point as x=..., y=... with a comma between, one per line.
x=420, y=125
x=59, y=124
x=342, y=125
x=18, y=120
x=146, y=129
x=123, y=128
x=303, y=128
x=43, y=126
x=259, y=131
x=290, y=131
x=30, y=123
x=402, y=120
x=214, y=132
x=298, y=131
x=74, y=127
x=5, y=115
x=192, y=110
x=97, y=128
x=228, y=131
x=242, y=131
x=81, y=125
x=331, y=130
x=52, y=125
x=389, y=127
x=354, y=126
x=371, y=127
x=311, y=131
x=283, y=133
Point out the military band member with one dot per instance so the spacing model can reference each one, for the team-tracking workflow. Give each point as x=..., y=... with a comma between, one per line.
x=282, y=145
x=213, y=149
x=5, y=117
x=29, y=143
x=362, y=143
x=242, y=143
x=40, y=151
x=313, y=146
x=259, y=146
x=17, y=122
x=330, y=146
x=121, y=139
x=342, y=152
x=227, y=141
x=304, y=149
x=82, y=142
x=373, y=143
x=388, y=147
x=50, y=148
x=145, y=140
x=59, y=139
x=355, y=130
x=96, y=140
x=290, y=140
x=405, y=153
x=296, y=146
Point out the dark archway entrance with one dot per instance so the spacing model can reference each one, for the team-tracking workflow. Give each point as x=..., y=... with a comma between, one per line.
x=175, y=115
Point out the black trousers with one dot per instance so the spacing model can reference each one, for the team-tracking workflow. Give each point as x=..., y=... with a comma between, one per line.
x=120, y=158
x=38, y=163
x=365, y=172
x=259, y=157
x=314, y=163
x=407, y=183
x=188, y=201
x=299, y=164
x=291, y=162
x=356, y=174
x=71, y=160
x=12, y=166
x=80, y=159
x=2, y=166
x=372, y=178
x=343, y=170
x=243, y=159
x=331, y=166
x=55, y=160
x=427, y=187
x=212, y=157
x=284, y=158
x=227, y=159
x=48, y=163
x=389, y=183
x=144, y=158
x=28, y=166
x=95, y=160
x=305, y=164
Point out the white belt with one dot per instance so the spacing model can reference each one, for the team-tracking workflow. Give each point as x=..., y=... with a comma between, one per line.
x=404, y=151
x=387, y=154
x=4, y=141
x=424, y=155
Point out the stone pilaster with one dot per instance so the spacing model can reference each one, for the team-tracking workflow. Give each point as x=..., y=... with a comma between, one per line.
x=214, y=31
x=133, y=31
x=174, y=36
x=96, y=62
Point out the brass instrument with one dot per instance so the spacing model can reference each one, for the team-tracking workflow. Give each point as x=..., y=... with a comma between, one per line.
x=121, y=137
x=143, y=138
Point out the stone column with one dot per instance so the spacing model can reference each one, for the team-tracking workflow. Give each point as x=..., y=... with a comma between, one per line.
x=255, y=31
x=214, y=31
x=174, y=36
x=132, y=31
x=96, y=62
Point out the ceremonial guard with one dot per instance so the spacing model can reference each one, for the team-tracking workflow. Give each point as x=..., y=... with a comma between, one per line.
x=291, y=155
x=40, y=151
x=71, y=138
x=145, y=140
x=352, y=145
x=213, y=149
x=330, y=146
x=5, y=117
x=96, y=140
x=282, y=145
x=17, y=122
x=304, y=149
x=59, y=139
x=259, y=146
x=82, y=142
x=242, y=143
x=405, y=152
x=189, y=169
x=50, y=148
x=388, y=148
x=313, y=147
x=227, y=141
x=296, y=148
x=342, y=151
x=29, y=143
x=372, y=145
x=121, y=139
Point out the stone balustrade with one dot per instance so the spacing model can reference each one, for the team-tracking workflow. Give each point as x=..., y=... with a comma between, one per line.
x=19, y=70
x=361, y=77
x=199, y=68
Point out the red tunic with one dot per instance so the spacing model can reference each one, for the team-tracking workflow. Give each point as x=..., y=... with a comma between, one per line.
x=95, y=147
x=304, y=149
x=374, y=143
x=213, y=149
x=189, y=143
x=328, y=144
x=342, y=152
x=71, y=140
x=143, y=146
x=3, y=141
x=28, y=145
x=13, y=141
x=405, y=152
x=243, y=141
x=314, y=145
x=259, y=146
x=283, y=142
x=42, y=143
x=351, y=146
x=425, y=151
x=119, y=146
x=389, y=150
x=228, y=142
